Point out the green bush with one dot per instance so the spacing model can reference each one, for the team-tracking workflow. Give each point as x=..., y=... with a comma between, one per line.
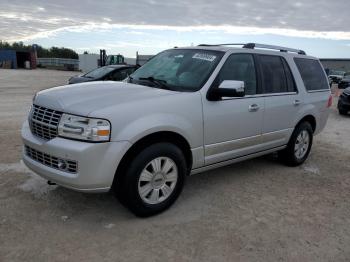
x=54, y=52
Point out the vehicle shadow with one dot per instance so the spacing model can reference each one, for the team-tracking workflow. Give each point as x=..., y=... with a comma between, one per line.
x=198, y=195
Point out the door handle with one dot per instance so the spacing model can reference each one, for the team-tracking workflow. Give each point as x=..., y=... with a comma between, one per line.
x=296, y=102
x=253, y=108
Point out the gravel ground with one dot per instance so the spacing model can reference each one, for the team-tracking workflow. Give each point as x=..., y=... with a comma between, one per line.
x=257, y=210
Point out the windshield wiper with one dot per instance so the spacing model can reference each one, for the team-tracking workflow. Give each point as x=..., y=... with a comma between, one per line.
x=159, y=82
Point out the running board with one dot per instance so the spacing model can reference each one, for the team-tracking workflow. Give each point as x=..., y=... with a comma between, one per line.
x=235, y=160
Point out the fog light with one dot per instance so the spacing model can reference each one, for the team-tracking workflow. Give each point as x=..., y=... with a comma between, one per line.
x=62, y=164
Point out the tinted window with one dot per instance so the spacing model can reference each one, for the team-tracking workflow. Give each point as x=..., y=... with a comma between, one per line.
x=119, y=75
x=99, y=72
x=273, y=74
x=312, y=74
x=239, y=67
x=130, y=70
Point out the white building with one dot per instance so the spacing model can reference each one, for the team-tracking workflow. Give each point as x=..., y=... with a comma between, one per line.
x=88, y=62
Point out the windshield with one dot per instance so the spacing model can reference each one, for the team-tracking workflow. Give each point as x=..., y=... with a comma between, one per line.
x=99, y=72
x=336, y=72
x=178, y=69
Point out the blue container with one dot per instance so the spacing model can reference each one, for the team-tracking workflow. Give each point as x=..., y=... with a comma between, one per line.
x=8, y=55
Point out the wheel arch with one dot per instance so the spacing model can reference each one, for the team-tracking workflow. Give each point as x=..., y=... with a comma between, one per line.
x=157, y=137
x=310, y=119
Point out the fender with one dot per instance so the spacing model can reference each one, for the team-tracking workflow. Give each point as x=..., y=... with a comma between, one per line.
x=158, y=122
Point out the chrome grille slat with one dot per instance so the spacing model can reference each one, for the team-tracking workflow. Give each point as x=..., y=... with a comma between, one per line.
x=40, y=122
x=50, y=161
x=44, y=122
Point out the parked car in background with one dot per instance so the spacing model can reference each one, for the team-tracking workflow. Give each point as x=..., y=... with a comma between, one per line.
x=344, y=102
x=335, y=76
x=110, y=72
x=345, y=82
x=186, y=111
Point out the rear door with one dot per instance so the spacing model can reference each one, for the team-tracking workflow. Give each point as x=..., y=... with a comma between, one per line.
x=282, y=100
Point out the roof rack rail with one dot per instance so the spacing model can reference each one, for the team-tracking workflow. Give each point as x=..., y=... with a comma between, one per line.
x=263, y=46
x=274, y=47
x=221, y=44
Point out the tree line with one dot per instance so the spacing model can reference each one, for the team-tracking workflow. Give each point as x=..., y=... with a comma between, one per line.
x=55, y=52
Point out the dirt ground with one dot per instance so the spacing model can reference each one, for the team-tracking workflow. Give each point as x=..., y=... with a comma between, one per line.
x=258, y=210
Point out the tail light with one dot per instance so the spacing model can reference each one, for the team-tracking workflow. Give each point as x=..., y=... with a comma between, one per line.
x=330, y=101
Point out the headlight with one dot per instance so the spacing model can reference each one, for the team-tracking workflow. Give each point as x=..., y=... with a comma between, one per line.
x=84, y=128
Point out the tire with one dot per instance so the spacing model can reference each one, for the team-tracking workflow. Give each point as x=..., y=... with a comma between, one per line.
x=343, y=112
x=163, y=168
x=295, y=155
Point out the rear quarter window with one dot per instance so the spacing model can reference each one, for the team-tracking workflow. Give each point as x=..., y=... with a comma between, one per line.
x=312, y=74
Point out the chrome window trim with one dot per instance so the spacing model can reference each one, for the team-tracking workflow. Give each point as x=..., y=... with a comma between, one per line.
x=318, y=91
x=260, y=95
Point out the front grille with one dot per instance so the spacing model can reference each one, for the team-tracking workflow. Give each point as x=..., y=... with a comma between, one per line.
x=44, y=122
x=52, y=161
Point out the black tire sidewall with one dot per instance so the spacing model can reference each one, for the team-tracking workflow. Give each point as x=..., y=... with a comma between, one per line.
x=288, y=155
x=130, y=182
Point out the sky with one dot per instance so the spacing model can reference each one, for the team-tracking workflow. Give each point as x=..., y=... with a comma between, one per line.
x=321, y=28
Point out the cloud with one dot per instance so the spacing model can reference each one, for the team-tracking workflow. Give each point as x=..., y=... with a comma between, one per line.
x=43, y=18
x=203, y=29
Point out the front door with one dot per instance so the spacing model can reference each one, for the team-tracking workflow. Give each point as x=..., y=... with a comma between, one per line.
x=233, y=126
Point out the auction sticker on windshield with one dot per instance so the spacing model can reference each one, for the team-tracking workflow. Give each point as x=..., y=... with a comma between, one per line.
x=204, y=56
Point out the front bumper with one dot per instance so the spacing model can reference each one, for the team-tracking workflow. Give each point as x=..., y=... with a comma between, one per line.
x=343, y=104
x=343, y=85
x=97, y=162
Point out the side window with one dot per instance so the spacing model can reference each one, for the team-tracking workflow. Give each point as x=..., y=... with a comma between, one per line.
x=312, y=74
x=273, y=74
x=119, y=75
x=131, y=70
x=239, y=67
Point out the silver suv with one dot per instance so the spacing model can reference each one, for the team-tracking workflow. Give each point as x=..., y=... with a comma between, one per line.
x=186, y=111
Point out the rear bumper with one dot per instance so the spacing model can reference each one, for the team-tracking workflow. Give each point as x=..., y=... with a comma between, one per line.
x=97, y=162
x=321, y=121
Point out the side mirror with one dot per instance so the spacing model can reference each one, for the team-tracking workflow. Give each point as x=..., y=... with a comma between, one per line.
x=227, y=88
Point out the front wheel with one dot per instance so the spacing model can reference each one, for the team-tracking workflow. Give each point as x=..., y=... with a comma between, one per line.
x=154, y=179
x=299, y=145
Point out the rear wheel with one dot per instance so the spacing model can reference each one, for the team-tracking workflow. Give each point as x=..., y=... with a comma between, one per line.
x=299, y=145
x=153, y=180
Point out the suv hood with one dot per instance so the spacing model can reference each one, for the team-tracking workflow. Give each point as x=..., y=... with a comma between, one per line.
x=82, y=99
